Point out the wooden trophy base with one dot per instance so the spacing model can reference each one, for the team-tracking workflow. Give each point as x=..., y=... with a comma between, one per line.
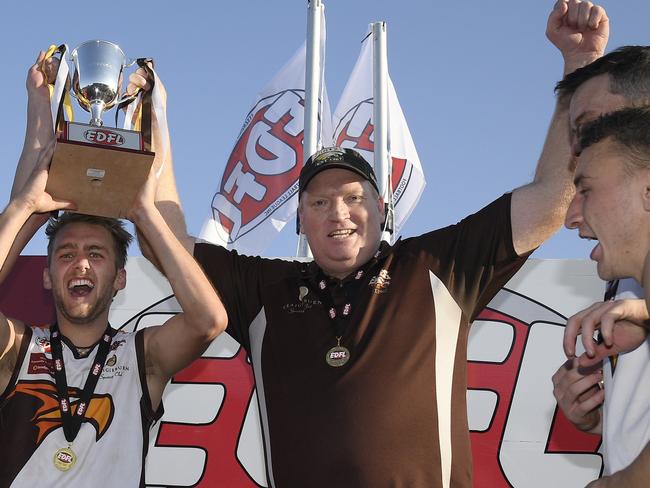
x=100, y=180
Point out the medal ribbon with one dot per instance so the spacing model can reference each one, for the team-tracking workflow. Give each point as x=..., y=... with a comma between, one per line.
x=350, y=290
x=60, y=102
x=72, y=422
x=327, y=298
x=336, y=292
x=153, y=103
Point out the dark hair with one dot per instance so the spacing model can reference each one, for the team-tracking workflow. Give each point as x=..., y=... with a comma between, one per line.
x=629, y=128
x=121, y=237
x=628, y=68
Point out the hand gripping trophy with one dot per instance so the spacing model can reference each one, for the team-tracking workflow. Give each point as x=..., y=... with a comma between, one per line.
x=99, y=168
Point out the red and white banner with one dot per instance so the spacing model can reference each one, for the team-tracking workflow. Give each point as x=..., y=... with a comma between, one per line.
x=353, y=128
x=258, y=191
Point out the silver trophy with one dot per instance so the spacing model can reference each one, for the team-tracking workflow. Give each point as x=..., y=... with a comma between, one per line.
x=97, y=80
x=99, y=168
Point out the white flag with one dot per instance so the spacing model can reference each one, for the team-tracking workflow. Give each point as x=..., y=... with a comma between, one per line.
x=258, y=192
x=353, y=128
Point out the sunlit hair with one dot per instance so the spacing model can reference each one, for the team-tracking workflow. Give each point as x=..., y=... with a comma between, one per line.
x=628, y=128
x=628, y=68
x=121, y=237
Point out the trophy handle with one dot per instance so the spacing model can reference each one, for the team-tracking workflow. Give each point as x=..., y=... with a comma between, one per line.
x=72, y=58
x=126, y=99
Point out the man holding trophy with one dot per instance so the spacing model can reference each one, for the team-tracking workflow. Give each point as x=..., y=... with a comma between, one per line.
x=66, y=416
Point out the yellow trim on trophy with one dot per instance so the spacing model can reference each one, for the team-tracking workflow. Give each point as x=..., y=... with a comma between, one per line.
x=48, y=54
x=138, y=121
x=50, y=51
x=67, y=106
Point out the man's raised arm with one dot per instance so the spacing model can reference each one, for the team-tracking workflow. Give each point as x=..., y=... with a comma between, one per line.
x=183, y=338
x=30, y=201
x=38, y=134
x=580, y=30
x=166, y=197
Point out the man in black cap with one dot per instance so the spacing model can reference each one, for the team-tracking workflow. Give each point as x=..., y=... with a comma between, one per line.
x=359, y=357
x=336, y=249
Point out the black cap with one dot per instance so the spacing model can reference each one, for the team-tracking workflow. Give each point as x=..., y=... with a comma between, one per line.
x=336, y=157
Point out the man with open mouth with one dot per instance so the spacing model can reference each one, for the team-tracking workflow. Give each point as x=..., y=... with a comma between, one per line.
x=77, y=399
x=612, y=207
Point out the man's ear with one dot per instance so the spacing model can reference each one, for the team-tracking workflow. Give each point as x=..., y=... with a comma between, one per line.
x=646, y=190
x=47, y=281
x=646, y=198
x=120, y=280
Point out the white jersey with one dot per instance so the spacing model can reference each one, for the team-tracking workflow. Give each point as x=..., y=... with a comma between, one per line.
x=111, y=445
x=626, y=411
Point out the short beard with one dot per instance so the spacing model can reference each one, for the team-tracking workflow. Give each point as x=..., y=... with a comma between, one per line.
x=103, y=303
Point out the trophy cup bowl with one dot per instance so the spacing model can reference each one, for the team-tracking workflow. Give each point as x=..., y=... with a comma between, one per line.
x=97, y=78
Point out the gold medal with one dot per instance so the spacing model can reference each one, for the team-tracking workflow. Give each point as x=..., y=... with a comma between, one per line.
x=337, y=356
x=64, y=459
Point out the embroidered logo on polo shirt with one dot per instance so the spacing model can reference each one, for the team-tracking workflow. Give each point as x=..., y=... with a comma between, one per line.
x=380, y=283
x=302, y=292
x=304, y=302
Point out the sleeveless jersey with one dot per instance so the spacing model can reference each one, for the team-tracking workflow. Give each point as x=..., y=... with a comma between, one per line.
x=626, y=411
x=111, y=445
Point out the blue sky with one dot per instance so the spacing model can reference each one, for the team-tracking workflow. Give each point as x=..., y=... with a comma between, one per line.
x=475, y=81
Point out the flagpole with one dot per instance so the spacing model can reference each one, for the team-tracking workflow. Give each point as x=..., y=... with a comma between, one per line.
x=313, y=85
x=380, y=120
x=312, y=78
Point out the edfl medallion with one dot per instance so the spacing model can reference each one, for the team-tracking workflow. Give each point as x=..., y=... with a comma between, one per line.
x=64, y=459
x=338, y=355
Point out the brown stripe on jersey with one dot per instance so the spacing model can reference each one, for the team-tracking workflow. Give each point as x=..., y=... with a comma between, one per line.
x=148, y=415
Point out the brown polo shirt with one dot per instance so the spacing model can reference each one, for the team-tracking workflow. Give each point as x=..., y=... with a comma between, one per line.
x=395, y=414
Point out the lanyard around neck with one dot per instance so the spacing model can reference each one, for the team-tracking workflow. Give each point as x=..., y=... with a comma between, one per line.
x=72, y=421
